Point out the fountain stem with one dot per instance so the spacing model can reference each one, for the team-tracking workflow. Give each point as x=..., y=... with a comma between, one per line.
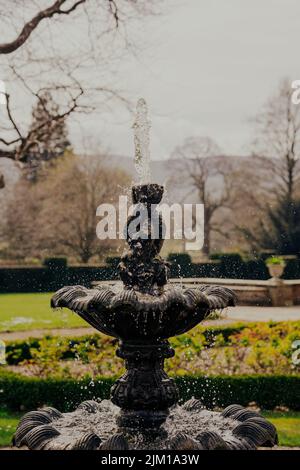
x=145, y=392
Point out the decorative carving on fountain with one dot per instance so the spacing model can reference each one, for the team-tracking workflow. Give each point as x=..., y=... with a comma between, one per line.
x=141, y=266
x=142, y=316
x=145, y=392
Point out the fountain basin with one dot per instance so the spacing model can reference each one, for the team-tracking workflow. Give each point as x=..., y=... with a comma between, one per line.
x=93, y=426
x=131, y=315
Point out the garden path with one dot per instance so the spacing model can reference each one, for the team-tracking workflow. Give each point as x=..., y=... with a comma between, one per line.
x=232, y=314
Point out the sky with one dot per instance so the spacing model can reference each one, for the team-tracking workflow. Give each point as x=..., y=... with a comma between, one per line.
x=207, y=67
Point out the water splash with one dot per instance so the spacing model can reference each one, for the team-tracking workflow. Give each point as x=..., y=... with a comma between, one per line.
x=141, y=128
x=74, y=425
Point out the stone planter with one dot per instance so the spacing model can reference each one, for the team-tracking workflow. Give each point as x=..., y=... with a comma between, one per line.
x=276, y=271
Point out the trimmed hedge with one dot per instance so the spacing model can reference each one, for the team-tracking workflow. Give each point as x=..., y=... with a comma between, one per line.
x=26, y=393
x=56, y=263
x=180, y=264
x=56, y=273
x=52, y=277
x=267, y=391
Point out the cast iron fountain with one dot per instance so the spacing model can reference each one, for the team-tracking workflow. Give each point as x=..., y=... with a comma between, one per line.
x=142, y=314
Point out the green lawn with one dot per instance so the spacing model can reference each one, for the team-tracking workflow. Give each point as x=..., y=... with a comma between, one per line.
x=8, y=424
x=31, y=311
x=287, y=424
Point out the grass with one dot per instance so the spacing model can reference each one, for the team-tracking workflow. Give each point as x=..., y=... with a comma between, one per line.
x=8, y=424
x=32, y=311
x=287, y=424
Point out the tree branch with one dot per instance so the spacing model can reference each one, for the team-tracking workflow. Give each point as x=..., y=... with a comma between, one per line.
x=31, y=25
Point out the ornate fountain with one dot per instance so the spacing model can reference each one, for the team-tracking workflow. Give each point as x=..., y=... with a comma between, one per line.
x=142, y=314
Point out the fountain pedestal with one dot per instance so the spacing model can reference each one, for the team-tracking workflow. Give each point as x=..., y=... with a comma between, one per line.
x=145, y=392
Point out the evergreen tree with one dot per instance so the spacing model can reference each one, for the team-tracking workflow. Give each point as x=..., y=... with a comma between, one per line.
x=279, y=230
x=49, y=136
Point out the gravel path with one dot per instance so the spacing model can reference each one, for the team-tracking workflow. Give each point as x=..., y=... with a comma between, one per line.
x=15, y=335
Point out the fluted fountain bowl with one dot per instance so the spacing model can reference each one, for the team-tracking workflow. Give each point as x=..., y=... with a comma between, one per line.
x=131, y=315
x=190, y=427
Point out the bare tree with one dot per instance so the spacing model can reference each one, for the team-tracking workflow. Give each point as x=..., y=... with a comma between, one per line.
x=32, y=24
x=277, y=151
x=65, y=223
x=199, y=163
x=278, y=141
x=118, y=10
x=46, y=54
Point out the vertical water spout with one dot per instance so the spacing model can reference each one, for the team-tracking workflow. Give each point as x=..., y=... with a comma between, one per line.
x=141, y=128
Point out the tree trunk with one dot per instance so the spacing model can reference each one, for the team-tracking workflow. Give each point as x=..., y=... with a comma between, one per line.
x=206, y=245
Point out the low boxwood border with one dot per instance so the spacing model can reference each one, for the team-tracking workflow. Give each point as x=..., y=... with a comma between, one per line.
x=25, y=393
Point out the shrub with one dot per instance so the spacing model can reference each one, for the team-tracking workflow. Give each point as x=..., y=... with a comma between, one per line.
x=275, y=260
x=68, y=347
x=292, y=269
x=267, y=391
x=181, y=264
x=249, y=348
x=228, y=257
x=180, y=258
x=57, y=274
x=231, y=265
x=18, y=392
x=55, y=263
x=256, y=269
x=263, y=255
x=113, y=261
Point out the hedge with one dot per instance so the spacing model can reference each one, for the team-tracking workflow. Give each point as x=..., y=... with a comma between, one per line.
x=56, y=273
x=267, y=391
x=52, y=277
x=26, y=393
x=55, y=263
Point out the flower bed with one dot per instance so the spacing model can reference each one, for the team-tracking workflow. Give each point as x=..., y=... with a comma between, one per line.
x=253, y=348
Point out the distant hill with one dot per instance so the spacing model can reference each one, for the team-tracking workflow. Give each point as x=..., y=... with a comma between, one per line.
x=163, y=172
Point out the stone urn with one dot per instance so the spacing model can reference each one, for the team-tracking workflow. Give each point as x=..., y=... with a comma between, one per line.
x=276, y=271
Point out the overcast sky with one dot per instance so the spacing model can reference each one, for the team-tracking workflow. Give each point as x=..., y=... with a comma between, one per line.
x=205, y=68
x=208, y=67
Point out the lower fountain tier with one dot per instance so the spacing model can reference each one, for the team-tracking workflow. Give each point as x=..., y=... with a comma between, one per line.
x=93, y=426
